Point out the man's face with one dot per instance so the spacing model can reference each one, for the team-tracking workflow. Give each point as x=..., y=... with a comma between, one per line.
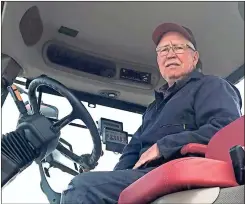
x=173, y=65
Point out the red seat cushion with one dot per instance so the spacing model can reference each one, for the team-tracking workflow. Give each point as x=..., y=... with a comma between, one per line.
x=176, y=175
x=192, y=172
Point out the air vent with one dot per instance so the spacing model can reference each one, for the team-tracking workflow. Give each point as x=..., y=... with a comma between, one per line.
x=70, y=58
x=68, y=31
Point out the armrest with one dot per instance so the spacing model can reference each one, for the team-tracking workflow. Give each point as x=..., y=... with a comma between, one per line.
x=194, y=148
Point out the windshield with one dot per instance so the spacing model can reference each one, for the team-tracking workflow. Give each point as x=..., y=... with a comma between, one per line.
x=26, y=186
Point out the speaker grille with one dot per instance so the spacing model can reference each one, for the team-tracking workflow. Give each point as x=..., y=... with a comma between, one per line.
x=31, y=26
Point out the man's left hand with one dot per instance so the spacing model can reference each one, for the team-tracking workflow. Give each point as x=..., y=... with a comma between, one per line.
x=151, y=154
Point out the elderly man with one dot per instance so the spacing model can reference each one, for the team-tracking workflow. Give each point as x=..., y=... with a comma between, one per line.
x=189, y=108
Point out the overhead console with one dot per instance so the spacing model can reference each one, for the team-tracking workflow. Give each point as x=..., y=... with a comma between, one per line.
x=70, y=59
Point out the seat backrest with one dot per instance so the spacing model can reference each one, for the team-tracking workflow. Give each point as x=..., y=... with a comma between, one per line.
x=229, y=136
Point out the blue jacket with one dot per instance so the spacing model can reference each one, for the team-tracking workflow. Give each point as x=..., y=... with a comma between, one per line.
x=190, y=111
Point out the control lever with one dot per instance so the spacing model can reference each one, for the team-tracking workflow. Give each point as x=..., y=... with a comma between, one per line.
x=237, y=155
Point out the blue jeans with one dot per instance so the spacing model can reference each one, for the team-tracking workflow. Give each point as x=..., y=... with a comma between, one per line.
x=100, y=187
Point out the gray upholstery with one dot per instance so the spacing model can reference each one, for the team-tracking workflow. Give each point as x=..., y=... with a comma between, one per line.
x=231, y=195
x=205, y=195
x=194, y=196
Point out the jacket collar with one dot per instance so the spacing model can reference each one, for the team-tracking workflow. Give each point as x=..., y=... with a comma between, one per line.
x=192, y=76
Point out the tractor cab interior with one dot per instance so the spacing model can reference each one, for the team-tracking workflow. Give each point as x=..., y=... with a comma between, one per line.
x=96, y=53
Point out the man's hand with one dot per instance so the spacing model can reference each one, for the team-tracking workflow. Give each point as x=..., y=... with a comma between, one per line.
x=151, y=154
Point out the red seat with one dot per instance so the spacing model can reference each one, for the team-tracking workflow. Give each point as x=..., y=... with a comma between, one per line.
x=191, y=172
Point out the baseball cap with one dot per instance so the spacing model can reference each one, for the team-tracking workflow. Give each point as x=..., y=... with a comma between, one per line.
x=167, y=27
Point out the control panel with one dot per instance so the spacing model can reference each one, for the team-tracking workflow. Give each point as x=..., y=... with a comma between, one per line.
x=136, y=76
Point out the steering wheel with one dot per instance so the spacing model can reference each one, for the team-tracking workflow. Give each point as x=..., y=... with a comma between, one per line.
x=86, y=161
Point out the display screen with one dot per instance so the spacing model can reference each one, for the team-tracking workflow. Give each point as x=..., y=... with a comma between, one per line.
x=115, y=140
x=106, y=123
x=115, y=136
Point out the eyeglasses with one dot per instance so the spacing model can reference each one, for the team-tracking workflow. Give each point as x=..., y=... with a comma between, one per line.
x=177, y=49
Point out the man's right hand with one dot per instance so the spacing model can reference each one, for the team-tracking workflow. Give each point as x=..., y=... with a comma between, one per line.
x=151, y=154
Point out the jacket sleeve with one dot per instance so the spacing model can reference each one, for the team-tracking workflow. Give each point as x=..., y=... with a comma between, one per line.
x=130, y=153
x=217, y=103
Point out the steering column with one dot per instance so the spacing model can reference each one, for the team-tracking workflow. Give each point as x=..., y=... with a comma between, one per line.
x=36, y=136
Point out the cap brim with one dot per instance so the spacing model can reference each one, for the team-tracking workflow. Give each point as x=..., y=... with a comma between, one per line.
x=168, y=27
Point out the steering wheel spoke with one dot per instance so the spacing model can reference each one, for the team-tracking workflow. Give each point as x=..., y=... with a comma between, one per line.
x=63, y=122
